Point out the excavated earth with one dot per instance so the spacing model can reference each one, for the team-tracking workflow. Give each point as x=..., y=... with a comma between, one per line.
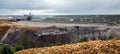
x=3, y=30
x=4, y=27
x=90, y=47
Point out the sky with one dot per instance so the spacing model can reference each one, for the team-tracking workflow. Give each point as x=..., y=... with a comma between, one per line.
x=59, y=7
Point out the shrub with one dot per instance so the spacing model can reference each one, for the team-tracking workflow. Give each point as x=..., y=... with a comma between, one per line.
x=31, y=44
x=6, y=50
x=84, y=39
x=110, y=37
x=18, y=47
x=56, y=44
x=24, y=42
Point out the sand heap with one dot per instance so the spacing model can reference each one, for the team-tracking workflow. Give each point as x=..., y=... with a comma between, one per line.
x=91, y=47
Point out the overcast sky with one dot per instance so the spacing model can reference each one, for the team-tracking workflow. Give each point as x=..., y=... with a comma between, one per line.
x=56, y=7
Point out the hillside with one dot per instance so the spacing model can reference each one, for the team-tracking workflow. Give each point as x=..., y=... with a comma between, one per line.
x=91, y=47
x=3, y=30
x=5, y=25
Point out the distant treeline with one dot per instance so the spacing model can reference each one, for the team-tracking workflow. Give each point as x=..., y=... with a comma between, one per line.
x=87, y=18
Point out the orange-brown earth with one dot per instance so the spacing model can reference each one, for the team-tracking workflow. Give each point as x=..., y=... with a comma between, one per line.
x=5, y=25
x=6, y=22
x=25, y=27
x=3, y=30
x=90, y=47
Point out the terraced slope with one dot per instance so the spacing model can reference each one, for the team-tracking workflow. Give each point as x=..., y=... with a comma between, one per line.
x=91, y=47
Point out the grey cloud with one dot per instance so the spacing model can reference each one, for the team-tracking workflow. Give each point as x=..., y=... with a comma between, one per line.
x=63, y=6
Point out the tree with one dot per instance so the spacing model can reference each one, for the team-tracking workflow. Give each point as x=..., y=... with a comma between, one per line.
x=27, y=43
x=24, y=42
x=84, y=39
x=31, y=44
x=6, y=50
x=18, y=48
x=56, y=44
x=110, y=37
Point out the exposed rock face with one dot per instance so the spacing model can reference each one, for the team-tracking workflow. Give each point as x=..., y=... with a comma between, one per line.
x=49, y=35
x=40, y=36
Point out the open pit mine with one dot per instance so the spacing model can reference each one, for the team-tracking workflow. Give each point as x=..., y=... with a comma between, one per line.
x=62, y=33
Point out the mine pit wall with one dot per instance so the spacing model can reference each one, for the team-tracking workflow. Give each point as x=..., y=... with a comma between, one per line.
x=72, y=35
x=3, y=30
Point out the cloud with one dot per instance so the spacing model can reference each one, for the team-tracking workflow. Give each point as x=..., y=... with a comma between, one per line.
x=60, y=6
x=21, y=12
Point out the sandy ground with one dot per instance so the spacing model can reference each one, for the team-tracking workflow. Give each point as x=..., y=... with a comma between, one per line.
x=51, y=24
x=42, y=24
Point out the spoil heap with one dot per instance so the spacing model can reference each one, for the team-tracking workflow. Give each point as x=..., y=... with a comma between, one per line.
x=90, y=47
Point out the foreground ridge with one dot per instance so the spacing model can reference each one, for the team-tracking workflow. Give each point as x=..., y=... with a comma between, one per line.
x=90, y=47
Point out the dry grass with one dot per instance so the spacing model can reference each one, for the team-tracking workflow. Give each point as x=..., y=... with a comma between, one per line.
x=91, y=47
